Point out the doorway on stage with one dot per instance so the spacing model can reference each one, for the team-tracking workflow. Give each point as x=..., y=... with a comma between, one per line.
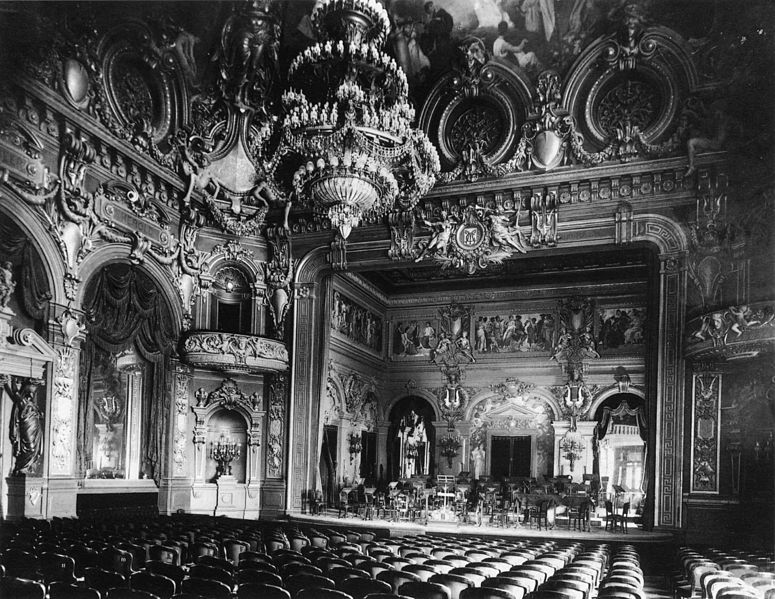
x=411, y=439
x=510, y=456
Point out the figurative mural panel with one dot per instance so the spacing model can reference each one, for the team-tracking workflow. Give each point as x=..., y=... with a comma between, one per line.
x=510, y=332
x=356, y=323
x=619, y=328
x=416, y=337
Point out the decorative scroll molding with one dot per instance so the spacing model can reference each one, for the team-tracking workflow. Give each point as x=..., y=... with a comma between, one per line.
x=275, y=448
x=233, y=352
x=227, y=396
x=706, y=430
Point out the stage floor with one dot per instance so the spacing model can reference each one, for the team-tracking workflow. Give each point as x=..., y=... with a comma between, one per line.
x=560, y=531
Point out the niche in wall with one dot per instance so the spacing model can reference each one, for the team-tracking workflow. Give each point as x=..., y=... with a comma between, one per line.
x=230, y=426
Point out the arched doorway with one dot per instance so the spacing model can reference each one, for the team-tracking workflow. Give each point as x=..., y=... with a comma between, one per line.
x=411, y=439
x=620, y=444
x=124, y=381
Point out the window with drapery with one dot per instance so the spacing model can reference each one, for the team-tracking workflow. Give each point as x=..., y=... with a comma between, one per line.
x=125, y=378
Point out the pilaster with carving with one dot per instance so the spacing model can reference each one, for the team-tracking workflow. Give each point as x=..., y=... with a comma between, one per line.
x=669, y=438
x=67, y=329
x=706, y=429
x=182, y=392
x=276, y=421
x=279, y=274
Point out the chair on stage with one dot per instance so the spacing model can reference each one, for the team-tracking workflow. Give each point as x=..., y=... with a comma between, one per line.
x=610, y=517
x=620, y=520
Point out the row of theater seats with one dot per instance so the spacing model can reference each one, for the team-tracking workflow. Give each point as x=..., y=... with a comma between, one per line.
x=724, y=574
x=188, y=558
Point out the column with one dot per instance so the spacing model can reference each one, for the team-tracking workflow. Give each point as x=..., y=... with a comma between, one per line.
x=175, y=487
x=302, y=458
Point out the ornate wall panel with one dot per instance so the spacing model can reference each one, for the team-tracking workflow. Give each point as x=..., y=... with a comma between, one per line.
x=706, y=430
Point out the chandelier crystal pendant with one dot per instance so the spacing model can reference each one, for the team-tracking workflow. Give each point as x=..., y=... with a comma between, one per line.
x=348, y=119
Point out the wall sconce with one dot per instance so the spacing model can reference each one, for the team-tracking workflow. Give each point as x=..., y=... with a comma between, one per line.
x=572, y=447
x=449, y=447
x=355, y=445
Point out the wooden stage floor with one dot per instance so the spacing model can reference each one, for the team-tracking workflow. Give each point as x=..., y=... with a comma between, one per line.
x=560, y=531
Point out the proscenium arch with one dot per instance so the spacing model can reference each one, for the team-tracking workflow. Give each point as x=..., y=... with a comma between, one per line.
x=669, y=243
x=27, y=219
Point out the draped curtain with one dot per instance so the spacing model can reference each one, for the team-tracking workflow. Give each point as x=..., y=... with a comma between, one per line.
x=601, y=430
x=127, y=310
x=17, y=247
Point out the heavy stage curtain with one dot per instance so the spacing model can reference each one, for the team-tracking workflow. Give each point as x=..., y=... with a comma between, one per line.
x=126, y=310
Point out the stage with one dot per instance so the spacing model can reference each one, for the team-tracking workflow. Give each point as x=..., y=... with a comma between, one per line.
x=389, y=528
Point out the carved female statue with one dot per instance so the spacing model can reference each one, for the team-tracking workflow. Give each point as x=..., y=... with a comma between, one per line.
x=477, y=455
x=26, y=425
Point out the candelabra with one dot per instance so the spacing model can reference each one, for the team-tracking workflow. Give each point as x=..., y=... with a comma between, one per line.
x=355, y=445
x=572, y=447
x=225, y=451
x=449, y=448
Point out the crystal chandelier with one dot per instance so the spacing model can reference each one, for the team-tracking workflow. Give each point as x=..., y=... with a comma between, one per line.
x=347, y=120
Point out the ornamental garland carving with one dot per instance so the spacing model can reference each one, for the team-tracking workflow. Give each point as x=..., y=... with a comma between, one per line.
x=240, y=347
x=182, y=383
x=276, y=416
x=62, y=411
